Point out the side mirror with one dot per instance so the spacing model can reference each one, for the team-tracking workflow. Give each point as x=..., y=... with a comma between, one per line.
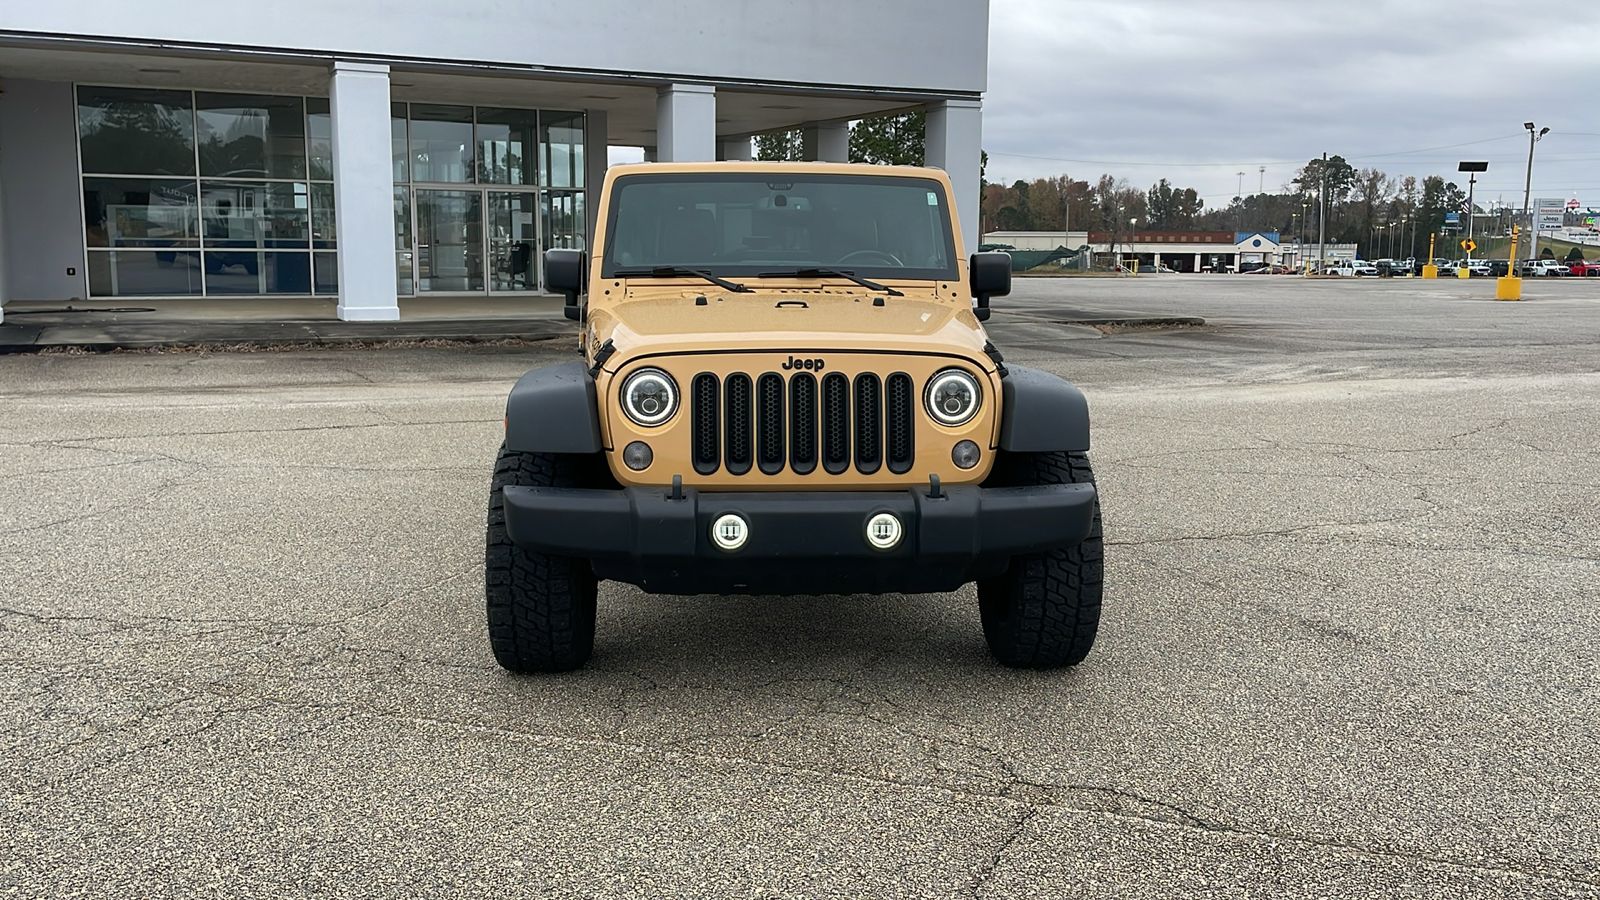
x=563, y=273
x=989, y=275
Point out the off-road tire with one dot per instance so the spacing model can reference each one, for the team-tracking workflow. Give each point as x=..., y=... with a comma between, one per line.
x=1043, y=611
x=541, y=607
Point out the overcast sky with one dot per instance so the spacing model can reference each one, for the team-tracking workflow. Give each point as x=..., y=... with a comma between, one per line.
x=1199, y=91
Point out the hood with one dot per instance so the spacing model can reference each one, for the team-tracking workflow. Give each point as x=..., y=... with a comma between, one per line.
x=788, y=318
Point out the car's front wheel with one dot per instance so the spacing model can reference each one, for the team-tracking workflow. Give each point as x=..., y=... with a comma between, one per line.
x=541, y=608
x=1043, y=612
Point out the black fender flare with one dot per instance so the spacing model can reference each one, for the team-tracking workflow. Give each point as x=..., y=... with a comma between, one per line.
x=554, y=409
x=1040, y=413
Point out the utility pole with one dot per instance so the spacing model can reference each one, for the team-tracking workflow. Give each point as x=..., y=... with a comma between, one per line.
x=1322, y=212
x=1527, y=187
x=1262, y=188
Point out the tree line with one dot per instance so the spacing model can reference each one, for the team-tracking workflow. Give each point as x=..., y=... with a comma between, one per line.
x=1380, y=214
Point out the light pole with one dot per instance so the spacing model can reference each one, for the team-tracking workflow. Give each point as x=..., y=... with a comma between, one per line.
x=1527, y=186
x=1240, y=225
x=1472, y=211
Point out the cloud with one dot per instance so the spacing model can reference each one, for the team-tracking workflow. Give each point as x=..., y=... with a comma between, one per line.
x=1198, y=92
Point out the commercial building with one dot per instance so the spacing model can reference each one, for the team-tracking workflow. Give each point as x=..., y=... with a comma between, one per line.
x=371, y=151
x=1182, y=251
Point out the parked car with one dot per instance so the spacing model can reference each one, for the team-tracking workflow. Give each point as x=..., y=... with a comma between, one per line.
x=1476, y=267
x=1584, y=268
x=1498, y=268
x=1546, y=268
x=1366, y=268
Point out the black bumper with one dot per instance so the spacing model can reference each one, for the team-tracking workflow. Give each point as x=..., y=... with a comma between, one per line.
x=799, y=543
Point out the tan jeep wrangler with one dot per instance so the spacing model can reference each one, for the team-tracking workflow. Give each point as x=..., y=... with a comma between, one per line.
x=786, y=388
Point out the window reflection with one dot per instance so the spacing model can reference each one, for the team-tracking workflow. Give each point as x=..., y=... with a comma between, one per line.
x=139, y=132
x=561, y=150
x=319, y=138
x=251, y=136
x=323, y=231
x=441, y=143
x=506, y=146
x=398, y=148
x=139, y=212
x=255, y=214
x=143, y=273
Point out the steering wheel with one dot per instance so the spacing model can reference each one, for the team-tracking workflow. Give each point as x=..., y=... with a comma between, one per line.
x=888, y=258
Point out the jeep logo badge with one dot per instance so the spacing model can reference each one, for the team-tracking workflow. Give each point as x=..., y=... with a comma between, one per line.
x=811, y=365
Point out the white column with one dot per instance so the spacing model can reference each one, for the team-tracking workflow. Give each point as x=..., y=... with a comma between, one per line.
x=686, y=123
x=363, y=191
x=737, y=149
x=825, y=142
x=954, y=143
x=596, y=145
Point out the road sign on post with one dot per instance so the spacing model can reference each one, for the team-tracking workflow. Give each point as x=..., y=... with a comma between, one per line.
x=1469, y=246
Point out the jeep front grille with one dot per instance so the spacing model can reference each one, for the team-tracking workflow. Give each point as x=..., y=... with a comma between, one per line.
x=769, y=424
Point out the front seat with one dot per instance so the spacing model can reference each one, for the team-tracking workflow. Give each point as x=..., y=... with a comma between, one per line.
x=688, y=236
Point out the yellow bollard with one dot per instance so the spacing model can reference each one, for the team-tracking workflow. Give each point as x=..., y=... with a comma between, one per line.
x=1430, y=271
x=1463, y=272
x=1509, y=287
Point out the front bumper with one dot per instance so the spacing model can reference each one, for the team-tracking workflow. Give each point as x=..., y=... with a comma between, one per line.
x=799, y=543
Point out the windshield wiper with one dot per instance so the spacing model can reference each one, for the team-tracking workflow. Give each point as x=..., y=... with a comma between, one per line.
x=679, y=271
x=833, y=273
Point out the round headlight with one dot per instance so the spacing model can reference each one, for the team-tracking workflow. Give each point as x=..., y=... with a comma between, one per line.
x=953, y=397
x=649, y=397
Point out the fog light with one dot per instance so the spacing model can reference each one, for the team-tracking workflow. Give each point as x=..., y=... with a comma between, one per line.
x=637, y=456
x=883, y=531
x=965, y=455
x=730, y=532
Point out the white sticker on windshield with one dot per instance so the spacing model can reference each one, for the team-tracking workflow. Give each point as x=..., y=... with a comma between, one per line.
x=933, y=199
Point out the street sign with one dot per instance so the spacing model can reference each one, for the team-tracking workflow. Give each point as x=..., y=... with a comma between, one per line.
x=1469, y=246
x=1452, y=218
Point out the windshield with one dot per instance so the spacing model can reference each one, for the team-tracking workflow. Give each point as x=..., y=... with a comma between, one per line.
x=763, y=223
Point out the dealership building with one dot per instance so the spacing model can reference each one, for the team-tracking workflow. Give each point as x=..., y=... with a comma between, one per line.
x=369, y=152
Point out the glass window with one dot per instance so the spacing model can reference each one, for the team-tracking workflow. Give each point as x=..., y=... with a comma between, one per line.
x=397, y=142
x=143, y=273
x=563, y=220
x=251, y=135
x=404, y=283
x=319, y=138
x=135, y=131
x=441, y=143
x=744, y=224
x=255, y=214
x=323, y=231
x=506, y=143
x=140, y=212
x=561, y=149
x=402, y=218
x=325, y=273
x=511, y=241
x=254, y=272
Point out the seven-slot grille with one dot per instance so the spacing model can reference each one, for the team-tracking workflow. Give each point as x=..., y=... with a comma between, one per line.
x=771, y=424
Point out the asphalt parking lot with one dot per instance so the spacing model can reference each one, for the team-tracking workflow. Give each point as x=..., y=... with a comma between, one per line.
x=1351, y=644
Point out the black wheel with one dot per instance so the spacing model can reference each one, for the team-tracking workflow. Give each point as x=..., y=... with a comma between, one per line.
x=1043, y=611
x=541, y=607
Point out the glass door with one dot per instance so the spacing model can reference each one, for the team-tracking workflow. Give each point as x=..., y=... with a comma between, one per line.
x=512, y=241
x=449, y=241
